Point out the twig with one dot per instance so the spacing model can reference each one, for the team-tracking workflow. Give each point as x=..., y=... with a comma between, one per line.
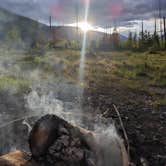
x=124, y=131
x=16, y=120
x=105, y=112
x=27, y=124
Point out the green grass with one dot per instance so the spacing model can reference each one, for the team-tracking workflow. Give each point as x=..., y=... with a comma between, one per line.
x=16, y=85
x=116, y=73
x=129, y=73
x=142, y=68
x=132, y=69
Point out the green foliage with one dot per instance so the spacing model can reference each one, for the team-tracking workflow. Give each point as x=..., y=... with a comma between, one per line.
x=130, y=41
x=145, y=41
x=94, y=45
x=13, y=84
x=135, y=42
x=13, y=34
x=76, y=45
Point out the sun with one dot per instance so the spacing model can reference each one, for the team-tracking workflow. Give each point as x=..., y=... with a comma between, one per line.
x=85, y=26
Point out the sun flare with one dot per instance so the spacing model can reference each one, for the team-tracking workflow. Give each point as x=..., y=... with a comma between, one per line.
x=85, y=26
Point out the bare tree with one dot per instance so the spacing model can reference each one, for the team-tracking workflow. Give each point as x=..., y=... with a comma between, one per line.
x=164, y=19
x=160, y=17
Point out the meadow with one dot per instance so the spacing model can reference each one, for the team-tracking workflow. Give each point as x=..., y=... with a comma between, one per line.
x=122, y=74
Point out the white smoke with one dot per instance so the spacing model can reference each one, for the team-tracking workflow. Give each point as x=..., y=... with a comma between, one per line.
x=59, y=98
x=111, y=146
x=44, y=104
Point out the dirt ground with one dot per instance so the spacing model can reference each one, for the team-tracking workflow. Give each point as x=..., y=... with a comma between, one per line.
x=145, y=124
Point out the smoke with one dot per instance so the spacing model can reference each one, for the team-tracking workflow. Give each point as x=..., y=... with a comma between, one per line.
x=41, y=101
x=47, y=95
x=59, y=98
x=112, y=151
x=52, y=96
x=44, y=104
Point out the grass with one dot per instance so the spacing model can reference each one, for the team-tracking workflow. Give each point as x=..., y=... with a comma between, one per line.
x=128, y=73
x=116, y=73
x=142, y=68
x=16, y=85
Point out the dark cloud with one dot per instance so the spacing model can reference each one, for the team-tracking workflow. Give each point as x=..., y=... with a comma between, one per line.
x=101, y=12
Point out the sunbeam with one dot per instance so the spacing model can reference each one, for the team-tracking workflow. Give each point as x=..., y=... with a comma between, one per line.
x=85, y=26
x=83, y=51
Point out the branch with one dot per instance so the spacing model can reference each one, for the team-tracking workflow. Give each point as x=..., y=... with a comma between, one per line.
x=124, y=131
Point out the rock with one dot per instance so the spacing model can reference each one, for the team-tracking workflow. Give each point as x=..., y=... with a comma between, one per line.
x=144, y=162
x=163, y=116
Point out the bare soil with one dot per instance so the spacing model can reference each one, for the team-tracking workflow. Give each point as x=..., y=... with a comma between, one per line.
x=145, y=124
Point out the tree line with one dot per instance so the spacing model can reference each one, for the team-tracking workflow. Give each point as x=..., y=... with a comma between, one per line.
x=143, y=41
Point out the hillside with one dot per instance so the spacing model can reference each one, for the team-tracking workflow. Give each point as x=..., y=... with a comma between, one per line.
x=22, y=32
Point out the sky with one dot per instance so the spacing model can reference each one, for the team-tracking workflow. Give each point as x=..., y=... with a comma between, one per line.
x=125, y=14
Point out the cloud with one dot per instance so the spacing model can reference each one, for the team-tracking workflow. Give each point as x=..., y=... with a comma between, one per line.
x=102, y=12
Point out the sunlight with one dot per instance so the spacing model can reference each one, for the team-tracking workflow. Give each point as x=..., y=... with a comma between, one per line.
x=85, y=26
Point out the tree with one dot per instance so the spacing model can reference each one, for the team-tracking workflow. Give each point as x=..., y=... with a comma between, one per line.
x=13, y=33
x=129, y=43
x=135, y=42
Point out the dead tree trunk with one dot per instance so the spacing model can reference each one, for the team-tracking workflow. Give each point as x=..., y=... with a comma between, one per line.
x=165, y=30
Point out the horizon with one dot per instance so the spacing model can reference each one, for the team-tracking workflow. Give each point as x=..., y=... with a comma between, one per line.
x=126, y=15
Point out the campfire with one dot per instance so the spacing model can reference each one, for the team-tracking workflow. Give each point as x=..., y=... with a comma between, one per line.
x=54, y=141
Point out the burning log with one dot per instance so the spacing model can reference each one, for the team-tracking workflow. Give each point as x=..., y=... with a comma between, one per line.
x=17, y=158
x=53, y=141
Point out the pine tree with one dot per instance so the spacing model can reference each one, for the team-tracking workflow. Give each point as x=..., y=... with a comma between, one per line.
x=135, y=42
x=130, y=41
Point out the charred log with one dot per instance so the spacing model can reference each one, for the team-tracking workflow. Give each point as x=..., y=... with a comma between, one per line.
x=17, y=158
x=53, y=141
